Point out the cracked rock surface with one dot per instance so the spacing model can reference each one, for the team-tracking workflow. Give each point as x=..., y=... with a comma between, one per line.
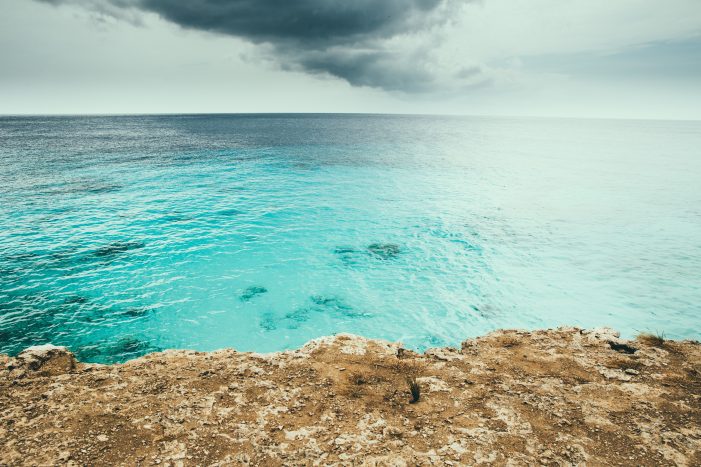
x=553, y=397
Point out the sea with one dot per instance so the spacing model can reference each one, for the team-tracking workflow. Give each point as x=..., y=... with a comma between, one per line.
x=124, y=235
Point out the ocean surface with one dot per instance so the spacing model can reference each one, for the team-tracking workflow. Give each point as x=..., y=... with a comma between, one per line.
x=124, y=235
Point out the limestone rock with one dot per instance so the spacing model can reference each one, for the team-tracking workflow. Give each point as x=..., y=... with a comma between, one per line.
x=602, y=334
x=556, y=397
x=46, y=359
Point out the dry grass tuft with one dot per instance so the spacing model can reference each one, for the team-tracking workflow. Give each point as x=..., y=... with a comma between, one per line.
x=654, y=340
x=414, y=389
x=358, y=378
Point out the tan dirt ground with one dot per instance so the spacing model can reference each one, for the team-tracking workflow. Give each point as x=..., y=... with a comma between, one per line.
x=554, y=397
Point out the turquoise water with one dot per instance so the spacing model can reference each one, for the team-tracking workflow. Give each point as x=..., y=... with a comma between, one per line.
x=124, y=235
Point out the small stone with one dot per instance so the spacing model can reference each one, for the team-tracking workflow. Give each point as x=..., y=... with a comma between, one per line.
x=631, y=371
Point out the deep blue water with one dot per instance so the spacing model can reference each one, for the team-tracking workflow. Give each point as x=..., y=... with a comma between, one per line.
x=124, y=235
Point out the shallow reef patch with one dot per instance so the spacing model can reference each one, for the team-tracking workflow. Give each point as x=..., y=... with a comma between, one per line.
x=267, y=322
x=351, y=256
x=252, y=292
x=384, y=251
x=320, y=304
x=322, y=300
x=296, y=317
x=347, y=255
x=335, y=304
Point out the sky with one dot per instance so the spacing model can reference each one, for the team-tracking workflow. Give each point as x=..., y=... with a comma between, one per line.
x=570, y=58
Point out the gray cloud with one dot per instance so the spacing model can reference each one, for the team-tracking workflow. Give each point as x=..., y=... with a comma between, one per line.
x=343, y=38
x=374, y=68
x=313, y=23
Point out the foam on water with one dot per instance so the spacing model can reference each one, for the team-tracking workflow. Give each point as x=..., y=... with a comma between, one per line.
x=123, y=235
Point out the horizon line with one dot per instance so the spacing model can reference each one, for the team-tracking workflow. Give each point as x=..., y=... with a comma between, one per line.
x=389, y=114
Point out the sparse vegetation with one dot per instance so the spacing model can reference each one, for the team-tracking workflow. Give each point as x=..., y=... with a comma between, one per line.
x=355, y=392
x=414, y=389
x=656, y=340
x=358, y=378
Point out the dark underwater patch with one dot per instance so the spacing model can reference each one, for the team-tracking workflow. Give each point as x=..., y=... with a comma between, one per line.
x=332, y=303
x=434, y=341
x=88, y=353
x=384, y=251
x=324, y=301
x=127, y=345
x=320, y=304
x=61, y=256
x=82, y=186
x=117, y=248
x=33, y=326
x=229, y=212
x=267, y=322
x=29, y=256
x=76, y=300
x=175, y=218
x=291, y=320
x=108, y=351
x=5, y=337
x=252, y=292
x=101, y=188
x=299, y=315
x=136, y=312
x=347, y=255
x=485, y=310
x=35, y=298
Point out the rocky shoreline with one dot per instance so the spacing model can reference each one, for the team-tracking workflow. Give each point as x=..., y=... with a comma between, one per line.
x=553, y=397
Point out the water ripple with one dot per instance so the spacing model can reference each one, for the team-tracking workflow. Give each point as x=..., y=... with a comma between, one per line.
x=124, y=235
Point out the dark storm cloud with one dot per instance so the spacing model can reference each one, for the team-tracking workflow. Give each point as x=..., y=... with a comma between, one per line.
x=315, y=23
x=344, y=38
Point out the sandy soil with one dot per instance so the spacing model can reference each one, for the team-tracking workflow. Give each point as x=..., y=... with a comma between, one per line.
x=555, y=397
